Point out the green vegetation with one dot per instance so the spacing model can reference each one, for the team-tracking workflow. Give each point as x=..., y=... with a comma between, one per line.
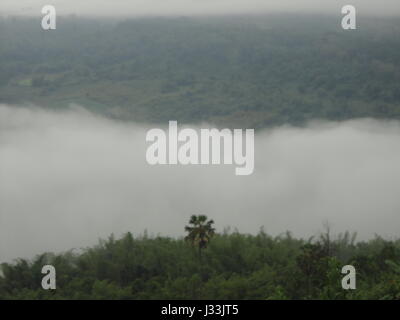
x=231, y=266
x=238, y=71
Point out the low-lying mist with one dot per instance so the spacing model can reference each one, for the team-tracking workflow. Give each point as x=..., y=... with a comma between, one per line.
x=70, y=177
x=195, y=7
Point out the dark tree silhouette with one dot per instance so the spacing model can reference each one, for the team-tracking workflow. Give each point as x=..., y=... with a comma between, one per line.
x=199, y=231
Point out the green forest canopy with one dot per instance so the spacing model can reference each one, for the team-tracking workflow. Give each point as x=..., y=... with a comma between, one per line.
x=233, y=266
x=235, y=71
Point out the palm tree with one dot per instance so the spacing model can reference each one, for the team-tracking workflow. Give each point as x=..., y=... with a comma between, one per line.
x=199, y=231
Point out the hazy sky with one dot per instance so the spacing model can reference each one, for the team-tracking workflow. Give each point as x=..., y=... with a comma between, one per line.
x=68, y=178
x=189, y=7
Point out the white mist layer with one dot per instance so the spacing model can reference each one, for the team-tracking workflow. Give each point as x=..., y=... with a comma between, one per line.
x=195, y=7
x=68, y=178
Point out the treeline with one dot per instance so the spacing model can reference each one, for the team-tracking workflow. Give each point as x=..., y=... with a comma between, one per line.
x=238, y=71
x=232, y=266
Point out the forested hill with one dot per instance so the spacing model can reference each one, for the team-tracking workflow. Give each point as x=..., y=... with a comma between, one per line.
x=247, y=71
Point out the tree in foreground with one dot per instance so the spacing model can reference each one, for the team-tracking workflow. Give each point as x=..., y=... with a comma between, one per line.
x=200, y=231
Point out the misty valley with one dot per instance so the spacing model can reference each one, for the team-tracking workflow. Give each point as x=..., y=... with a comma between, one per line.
x=199, y=157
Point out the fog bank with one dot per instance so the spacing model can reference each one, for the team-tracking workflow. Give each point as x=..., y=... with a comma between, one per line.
x=67, y=178
x=195, y=7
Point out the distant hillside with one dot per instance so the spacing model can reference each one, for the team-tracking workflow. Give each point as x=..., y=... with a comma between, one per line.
x=247, y=71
